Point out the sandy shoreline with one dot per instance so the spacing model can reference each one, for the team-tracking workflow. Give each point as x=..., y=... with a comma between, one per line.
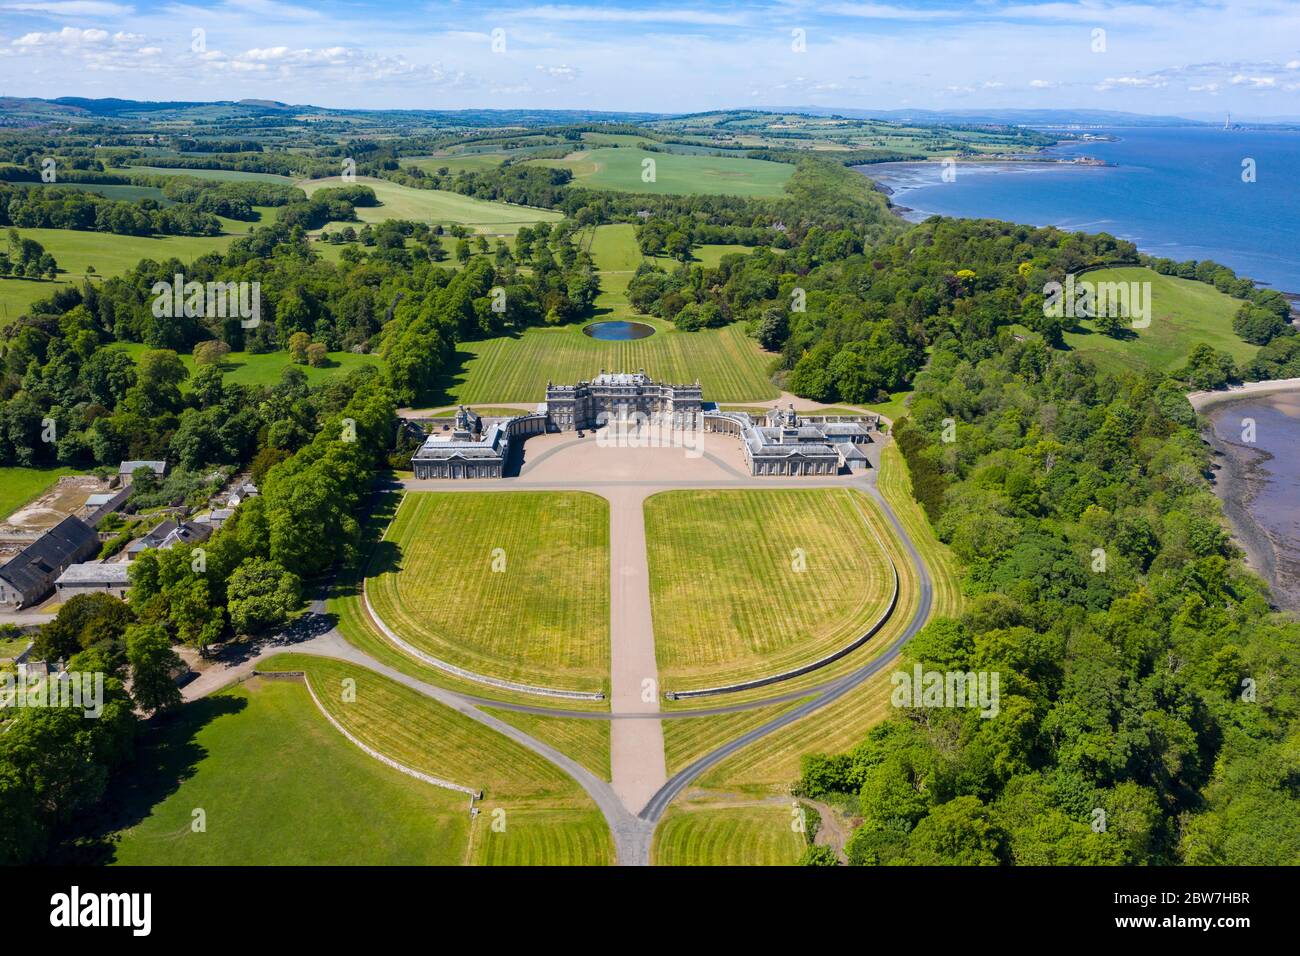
x=1239, y=478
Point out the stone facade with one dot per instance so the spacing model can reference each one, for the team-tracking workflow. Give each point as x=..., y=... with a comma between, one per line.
x=786, y=444
x=473, y=448
x=618, y=395
x=781, y=443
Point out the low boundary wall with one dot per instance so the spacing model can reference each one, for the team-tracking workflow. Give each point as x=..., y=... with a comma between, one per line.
x=815, y=665
x=442, y=665
x=301, y=677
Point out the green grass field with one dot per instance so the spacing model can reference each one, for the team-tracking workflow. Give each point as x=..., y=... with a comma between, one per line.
x=1183, y=314
x=124, y=192
x=544, y=619
x=18, y=485
x=278, y=785
x=357, y=627
x=729, y=365
x=434, y=205
x=621, y=168
x=586, y=741
x=749, y=583
x=459, y=162
x=221, y=175
x=547, y=818
x=706, y=834
x=110, y=254
x=773, y=761
x=246, y=368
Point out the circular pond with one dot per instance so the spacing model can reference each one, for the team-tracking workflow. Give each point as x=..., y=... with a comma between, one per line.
x=619, y=331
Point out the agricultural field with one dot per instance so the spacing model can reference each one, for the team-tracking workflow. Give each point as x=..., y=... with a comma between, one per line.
x=740, y=834
x=620, y=168
x=1183, y=314
x=110, y=254
x=124, y=192
x=220, y=175
x=749, y=583
x=20, y=486
x=435, y=205
x=278, y=785
x=266, y=368
x=542, y=617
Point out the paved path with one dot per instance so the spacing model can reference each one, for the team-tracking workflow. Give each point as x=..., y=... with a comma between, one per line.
x=636, y=738
x=636, y=747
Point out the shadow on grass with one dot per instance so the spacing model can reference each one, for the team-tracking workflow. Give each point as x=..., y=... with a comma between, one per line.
x=167, y=754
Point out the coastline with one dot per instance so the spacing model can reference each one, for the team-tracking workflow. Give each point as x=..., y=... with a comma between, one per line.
x=1208, y=399
x=1241, y=475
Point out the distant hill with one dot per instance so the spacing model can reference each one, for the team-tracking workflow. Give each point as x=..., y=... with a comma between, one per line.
x=1016, y=117
x=86, y=107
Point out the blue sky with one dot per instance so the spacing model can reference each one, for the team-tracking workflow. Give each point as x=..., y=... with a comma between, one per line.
x=1150, y=56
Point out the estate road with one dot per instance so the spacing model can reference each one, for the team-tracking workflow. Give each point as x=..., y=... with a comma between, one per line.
x=640, y=791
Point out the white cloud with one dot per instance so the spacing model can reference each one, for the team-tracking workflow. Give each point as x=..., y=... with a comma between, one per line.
x=561, y=72
x=72, y=8
x=67, y=37
x=580, y=14
x=1132, y=82
x=1256, y=82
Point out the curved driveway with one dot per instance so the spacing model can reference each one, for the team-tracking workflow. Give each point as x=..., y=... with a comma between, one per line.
x=632, y=832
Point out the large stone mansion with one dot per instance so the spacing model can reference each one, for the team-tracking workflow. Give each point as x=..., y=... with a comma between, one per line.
x=780, y=443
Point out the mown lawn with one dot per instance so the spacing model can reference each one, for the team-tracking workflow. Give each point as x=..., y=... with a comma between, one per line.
x=278, y=785
x=711, y=835
x=532, y=812
x=18, y=486
x=728, y=363
x=744, y=584
x=543, y=618
x=773, y=761
x=1183, y=314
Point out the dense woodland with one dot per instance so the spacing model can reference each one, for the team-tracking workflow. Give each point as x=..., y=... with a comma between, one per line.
x=1160, y=690
x=1122, y=689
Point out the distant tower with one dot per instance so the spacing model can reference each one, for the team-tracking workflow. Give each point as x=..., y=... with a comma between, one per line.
x=1227, y=121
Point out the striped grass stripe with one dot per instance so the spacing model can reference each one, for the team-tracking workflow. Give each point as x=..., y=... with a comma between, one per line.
x=728, y=363
x=728, y=602
x=743, y=835
x=544, y=619
x=774, y=760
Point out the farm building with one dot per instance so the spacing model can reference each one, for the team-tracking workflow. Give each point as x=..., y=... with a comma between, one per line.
x=127, y=469
x=94, y=577
x=30, y=575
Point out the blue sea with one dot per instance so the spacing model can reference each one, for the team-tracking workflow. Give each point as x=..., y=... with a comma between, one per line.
x=1173, y=192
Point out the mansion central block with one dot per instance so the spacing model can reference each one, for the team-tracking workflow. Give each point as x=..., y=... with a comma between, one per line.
x=782, y=443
